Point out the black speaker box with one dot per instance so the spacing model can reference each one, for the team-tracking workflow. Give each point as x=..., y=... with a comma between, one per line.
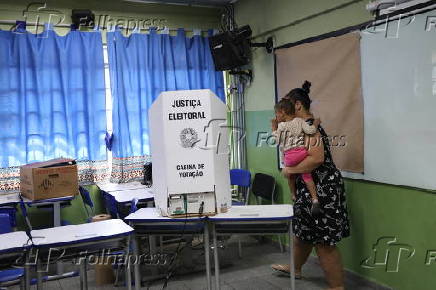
x=148, y=174
x=82, y=17
x=231, y=49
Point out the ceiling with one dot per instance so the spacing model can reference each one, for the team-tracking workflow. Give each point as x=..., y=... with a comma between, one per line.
x=208, y=3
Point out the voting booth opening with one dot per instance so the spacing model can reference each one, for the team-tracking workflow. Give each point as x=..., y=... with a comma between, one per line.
x=190, y=154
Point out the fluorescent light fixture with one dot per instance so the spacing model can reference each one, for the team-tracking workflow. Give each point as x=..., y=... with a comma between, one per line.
x=194, y=3
x=388, y=6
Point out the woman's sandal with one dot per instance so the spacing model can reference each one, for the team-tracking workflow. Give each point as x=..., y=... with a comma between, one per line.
x=284, y=269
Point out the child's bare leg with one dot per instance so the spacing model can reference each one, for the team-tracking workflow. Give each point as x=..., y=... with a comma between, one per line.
x=292, y=186
x=315, y=209
x=312, y=189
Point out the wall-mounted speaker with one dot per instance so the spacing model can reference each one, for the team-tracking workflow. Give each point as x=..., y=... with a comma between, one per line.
x=231, y=49
x=82, y=18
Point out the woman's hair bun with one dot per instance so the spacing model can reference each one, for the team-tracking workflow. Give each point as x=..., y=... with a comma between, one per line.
x=306, y=86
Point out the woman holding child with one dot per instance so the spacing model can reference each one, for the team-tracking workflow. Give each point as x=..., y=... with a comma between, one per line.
x=320, y=213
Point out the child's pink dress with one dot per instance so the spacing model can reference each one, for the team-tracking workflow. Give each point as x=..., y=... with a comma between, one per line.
x=290, y=136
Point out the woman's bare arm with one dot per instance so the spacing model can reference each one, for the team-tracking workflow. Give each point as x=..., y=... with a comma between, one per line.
x=313, y=160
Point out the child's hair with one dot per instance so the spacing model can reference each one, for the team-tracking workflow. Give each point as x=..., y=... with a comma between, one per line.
x=285, y=106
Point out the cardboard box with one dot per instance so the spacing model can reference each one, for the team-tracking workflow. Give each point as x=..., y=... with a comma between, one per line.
x=49, y=179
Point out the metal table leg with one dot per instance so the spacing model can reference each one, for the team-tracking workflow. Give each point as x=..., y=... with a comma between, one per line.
x=84, y=274
x=128, y=272
x=56, y=214
x=215, y=254
x=57, y=223
x=153, y=250
x=82, y=286
x=27, y=272
x=291, y=254
x=137, y=265
x=38, y=275
x=206, y=255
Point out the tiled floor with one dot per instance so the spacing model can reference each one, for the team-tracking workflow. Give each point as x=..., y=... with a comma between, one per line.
x=251, y=272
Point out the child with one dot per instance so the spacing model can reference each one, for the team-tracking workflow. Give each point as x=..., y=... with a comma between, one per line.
x=289, y=132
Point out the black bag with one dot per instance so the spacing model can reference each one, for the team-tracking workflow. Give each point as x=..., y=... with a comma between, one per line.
x=148, y=177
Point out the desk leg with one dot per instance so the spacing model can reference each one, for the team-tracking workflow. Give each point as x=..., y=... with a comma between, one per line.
x=27, y=272
x=57, y=223
x=137, y=265
x=84, y=274
x=128, y=270
x=206, y=255
x=215, y=255
x=82, y=286
x=153, y=250
x=152, y=243
x=57, y=214
x=291, y=254
x=38, y=275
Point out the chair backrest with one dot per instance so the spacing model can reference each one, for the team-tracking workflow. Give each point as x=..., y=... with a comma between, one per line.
x=110, y=204
x=5, y=223
x=25, y=216
x=240, y=177
x=134, y=205
x=86, y=197
x=263, y=186
x=11, y=211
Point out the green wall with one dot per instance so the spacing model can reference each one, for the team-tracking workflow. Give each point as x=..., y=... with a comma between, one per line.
x=376, y=210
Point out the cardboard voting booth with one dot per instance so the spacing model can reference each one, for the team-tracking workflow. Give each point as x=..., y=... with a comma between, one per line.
x=190, y=153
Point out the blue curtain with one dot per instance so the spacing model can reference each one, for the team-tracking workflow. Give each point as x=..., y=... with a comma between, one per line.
x=52, y=97
x=141, y=67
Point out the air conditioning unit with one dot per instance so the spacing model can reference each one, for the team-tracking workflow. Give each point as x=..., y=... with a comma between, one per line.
x=383, y=7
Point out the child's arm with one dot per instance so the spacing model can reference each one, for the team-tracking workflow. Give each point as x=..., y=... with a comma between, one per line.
x=274, y=124
x=278, y=132
x=308, y=129
x=277, y=129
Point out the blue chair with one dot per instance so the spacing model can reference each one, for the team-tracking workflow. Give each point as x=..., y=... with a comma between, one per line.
x=87, y=201
x=25, y=216
x=111, y=205
x=134, y=205
x=5, y=223
x=241, y=178
x=12, y=212
x=117, y=267
x=9, y=276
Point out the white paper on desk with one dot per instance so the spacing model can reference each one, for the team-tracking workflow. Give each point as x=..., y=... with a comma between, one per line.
x=128, y=195
x=247, y=213
x=258, y=211
x=151, y=213
x=109, y=187
x=9, y=197
x=76, y=233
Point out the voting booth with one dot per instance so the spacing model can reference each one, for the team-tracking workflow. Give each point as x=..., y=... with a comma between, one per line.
x=190, y=153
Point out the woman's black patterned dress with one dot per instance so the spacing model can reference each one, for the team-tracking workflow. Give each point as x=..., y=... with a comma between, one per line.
x=332, y=225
